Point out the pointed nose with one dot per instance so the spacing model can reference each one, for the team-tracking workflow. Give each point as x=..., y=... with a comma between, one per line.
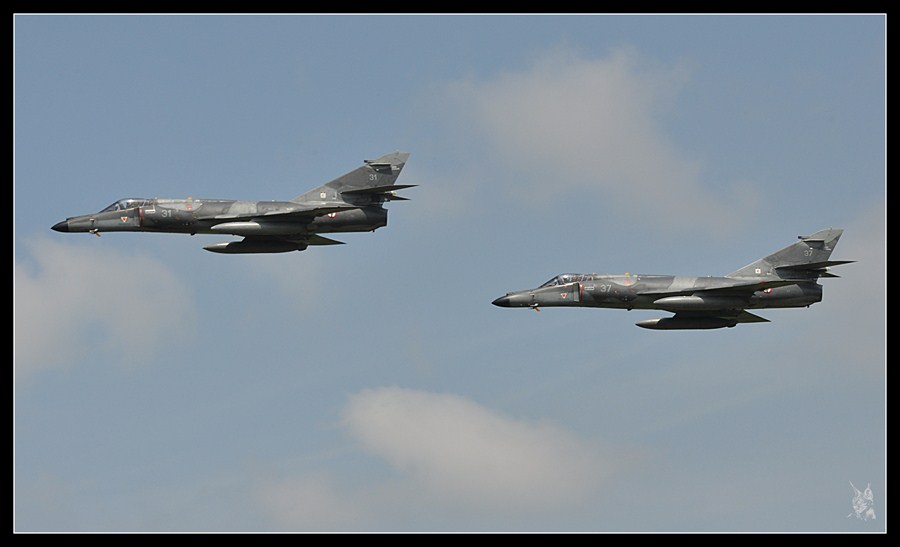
x=503, y=302
x=61, y=226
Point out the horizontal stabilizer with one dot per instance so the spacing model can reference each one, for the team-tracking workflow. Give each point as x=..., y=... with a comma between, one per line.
x=814, y=265
x=385, y=193
x=374, y=190
x=810, y=269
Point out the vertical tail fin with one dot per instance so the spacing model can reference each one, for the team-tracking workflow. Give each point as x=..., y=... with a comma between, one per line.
x=805, y=259
x=371, y=183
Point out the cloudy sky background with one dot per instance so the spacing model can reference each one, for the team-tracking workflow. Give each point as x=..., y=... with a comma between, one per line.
x=372, y=386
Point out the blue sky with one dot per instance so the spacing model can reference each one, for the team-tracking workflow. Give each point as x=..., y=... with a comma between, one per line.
x=372, y=386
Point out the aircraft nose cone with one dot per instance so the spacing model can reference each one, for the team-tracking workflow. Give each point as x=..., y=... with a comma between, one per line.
x=503, y=302
x=61, y=226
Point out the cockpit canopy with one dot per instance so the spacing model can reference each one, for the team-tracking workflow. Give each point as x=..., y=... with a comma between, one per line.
x=565, y=279
x=625, y=280
x=127, y=203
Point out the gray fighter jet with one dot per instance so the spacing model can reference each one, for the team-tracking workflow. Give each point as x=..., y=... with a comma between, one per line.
x=351, y=203
x=785, y=279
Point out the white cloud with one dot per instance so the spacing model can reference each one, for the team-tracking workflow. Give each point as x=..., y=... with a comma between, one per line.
x=456, y=464
x=853, y=308
x=74, y=300
x=462, y=452
x=571, y=128
x=311, y=502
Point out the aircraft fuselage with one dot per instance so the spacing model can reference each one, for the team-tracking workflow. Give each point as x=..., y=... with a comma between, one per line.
x=659, y=292
x=209, y=216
